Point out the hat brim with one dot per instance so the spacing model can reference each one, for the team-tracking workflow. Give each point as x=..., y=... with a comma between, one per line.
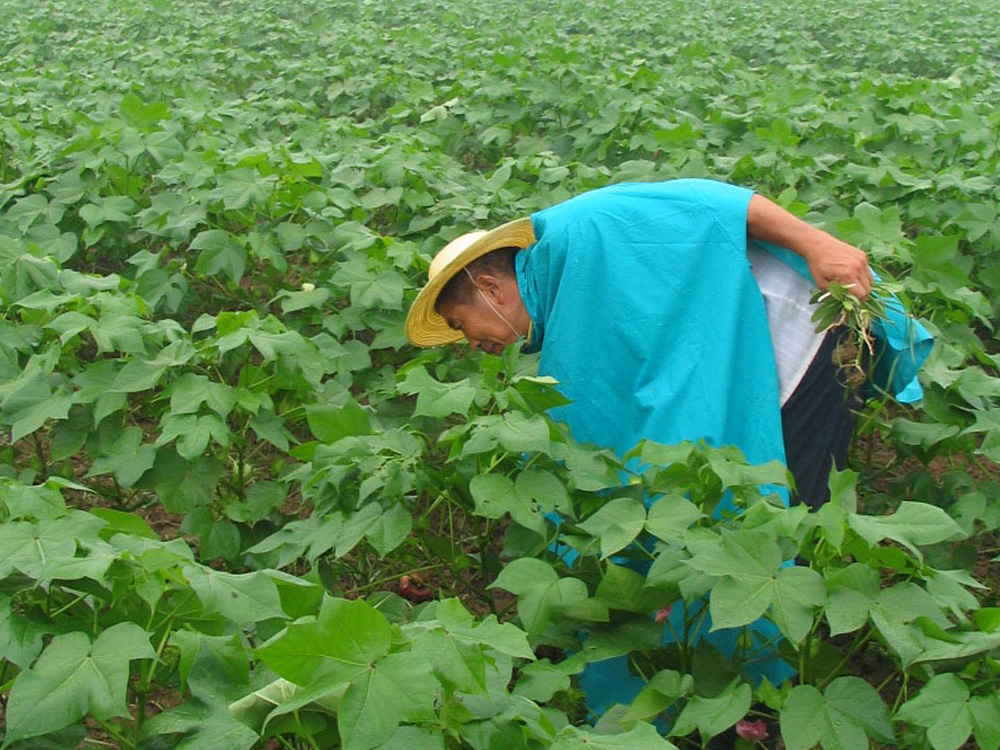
x=424, y=326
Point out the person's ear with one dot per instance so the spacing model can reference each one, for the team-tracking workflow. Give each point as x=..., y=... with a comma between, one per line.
x=490, y=286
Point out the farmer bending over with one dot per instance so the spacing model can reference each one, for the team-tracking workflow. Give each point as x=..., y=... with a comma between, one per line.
x=669, y=311
x=666, y=311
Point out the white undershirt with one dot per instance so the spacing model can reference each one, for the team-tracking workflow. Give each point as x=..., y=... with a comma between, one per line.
x=789, y=317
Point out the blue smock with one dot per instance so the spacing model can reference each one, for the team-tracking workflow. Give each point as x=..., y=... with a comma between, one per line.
x=644, y=309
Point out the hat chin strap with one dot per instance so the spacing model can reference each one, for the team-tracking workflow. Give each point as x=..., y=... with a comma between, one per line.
x=492, y=306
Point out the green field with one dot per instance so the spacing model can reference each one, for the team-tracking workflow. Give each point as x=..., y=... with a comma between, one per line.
x=239, y=511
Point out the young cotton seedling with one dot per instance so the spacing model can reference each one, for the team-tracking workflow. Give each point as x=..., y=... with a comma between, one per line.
x=838, y=307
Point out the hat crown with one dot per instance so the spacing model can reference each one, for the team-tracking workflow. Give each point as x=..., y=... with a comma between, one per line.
x=451, y=251
x=424, y=326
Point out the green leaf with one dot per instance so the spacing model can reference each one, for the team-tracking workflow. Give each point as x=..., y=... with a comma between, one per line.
x=496, y=495
x=798, y=591
x=138, y=113
x=852, y=593
x=843, y=718
x=617, y=523
x=641, y=737
x=519, y=432
x=240, y=188
x=414, y=738
x=303, y=300
x=207, y=657
x=310, y=537
x=751, y=554
x=331, y=423
x=243, y=598
x=623, y=588
x=945, y=645
x=661, y=692
x=396, y=689
x=923, y=434
x=193, y=433
x=111, y=208
x=710, y=716
x=436, y=399
x=38, y=502
x=544, y=489
x=749, y=562
x=122, y=522
x=459, y=666
x=855, y=701
x=119, y=333
x=356, y=527
x=987, y=619
x=190, y=391
x=183, y=485
x=345, y=640
x=381, y=291
x=514, y=431
x=270, y=709
x=390, y=530
x=377, y=197
x=985, y=711
x=801, y=727
x=219, y=254
x=21, y=637
x=261, y=500
x=216, y=674
x=37, y=549
x=671, y=515
x=268, y=426
x=541, y=593
x=913, y=525
x=126, y=458
x=540, y=681
x=74, y=678
x=140, y=375
x=217, y=537
x=70, y=737
x=942, y=708
x=505, y=638
x=32, y=404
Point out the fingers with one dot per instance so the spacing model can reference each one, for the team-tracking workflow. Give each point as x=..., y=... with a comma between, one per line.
x=849, y=266
x=862, y=287
x=850, y=271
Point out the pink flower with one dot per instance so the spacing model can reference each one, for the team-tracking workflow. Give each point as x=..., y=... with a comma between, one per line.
x=664, y=614
x=755, y=731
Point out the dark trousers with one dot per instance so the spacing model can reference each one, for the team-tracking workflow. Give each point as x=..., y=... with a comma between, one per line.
x=818, y=421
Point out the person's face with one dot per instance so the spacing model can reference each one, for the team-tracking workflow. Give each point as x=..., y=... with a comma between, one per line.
x=481, y=324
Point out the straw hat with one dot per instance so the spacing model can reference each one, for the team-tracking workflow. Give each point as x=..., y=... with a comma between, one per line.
x=424, y=327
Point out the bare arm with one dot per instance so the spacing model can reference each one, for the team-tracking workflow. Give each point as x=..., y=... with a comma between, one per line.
x=829, y=259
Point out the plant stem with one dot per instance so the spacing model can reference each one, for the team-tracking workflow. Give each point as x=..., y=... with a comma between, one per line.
x=805, y=654
x=123, y=741
x=395, y=576
x=44, y=469
x=860, y=639
x=637, y=668
x=902, y=692
x=673, y=633
x=68, y=606
x=240, y=469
